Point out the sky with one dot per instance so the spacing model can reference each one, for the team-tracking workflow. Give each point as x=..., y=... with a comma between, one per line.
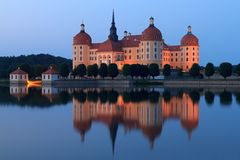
x=48, y=26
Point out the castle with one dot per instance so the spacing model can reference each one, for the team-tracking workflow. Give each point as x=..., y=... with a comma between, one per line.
x=147, y=48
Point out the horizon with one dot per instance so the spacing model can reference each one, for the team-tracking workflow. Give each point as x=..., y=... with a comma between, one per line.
x=34, y=23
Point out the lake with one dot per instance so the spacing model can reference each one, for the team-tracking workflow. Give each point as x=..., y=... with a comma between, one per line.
x=119, y=123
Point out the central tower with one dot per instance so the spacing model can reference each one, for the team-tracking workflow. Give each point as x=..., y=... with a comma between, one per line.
x=113, y=30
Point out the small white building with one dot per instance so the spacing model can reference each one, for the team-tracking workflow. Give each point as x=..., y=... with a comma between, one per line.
x=19, y=76
x=50, y=75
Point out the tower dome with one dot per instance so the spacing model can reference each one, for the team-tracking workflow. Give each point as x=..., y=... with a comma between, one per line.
x=189, y=39
x=82, y=38
x=152, y=33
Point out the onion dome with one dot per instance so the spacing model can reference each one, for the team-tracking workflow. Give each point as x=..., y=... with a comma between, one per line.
x=151, y=33
x=189, y=39
x=189, y=125
x=82, y=38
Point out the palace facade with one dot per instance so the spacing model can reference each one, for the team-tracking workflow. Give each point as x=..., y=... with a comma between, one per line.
x=146, y=48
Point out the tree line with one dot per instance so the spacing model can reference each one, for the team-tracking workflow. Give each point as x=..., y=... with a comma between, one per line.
x=34, y=65
x=111, y=70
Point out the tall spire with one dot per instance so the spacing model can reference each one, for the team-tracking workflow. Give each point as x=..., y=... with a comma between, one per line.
x=113, y=18
x=113, y=30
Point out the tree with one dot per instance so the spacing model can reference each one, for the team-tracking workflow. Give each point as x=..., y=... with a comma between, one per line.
x=195, y=70
x=225, y=69
x=81, y=70
x=133, y=70
x=167, y=70
x=154, y=70
x=144, y=72
x=89, y=71
x=209, y=70
x=126, y=70
x=27, y=68
x=113, y=70
x=64, y=70
x=238, y=69
x=103, y=70
x=95, y=70
x=38, y=70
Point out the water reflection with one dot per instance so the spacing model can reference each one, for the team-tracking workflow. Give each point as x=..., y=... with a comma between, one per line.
x=138, y=109
x=145, y=110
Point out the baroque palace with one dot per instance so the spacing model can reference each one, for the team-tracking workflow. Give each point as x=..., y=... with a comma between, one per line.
x=147, y=48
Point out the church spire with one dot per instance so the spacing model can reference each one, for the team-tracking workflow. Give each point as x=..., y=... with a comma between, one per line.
x=113, y=18
x=113, y=30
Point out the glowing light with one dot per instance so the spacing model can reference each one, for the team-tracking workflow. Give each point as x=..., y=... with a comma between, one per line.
x=34, y=84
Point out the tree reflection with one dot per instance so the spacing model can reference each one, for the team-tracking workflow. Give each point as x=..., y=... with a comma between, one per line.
x=209, y=97
x=195, y=96
x=226, y=98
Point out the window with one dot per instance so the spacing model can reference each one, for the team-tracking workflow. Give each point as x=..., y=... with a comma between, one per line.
x=187, y=53
x=129, y=57
x=137, y=51
x=176, y=59
x=187, y=48
x=130, y=51
x=187, y=67
x=171, y=60
x=44, y=77
x=137, y=56
x=80, y=47
x=186, y=59
x=147, y=43
x=155, y=56
x=193, y=53
x=48, y=76
x=155, y=49
x=125, y=51
x=147, y=56
x=80, y=58
x=142, y=50
x=75, y=58
x=80, y=52
x=193, y=48
x=147, y=49
x=176, y=54
x=125, y=57
x=155, y=43
x=193, y=59
x=74, y=53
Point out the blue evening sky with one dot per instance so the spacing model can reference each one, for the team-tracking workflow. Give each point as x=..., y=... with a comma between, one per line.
x=47, y=26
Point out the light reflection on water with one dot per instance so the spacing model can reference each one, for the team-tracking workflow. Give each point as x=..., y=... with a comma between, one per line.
x=124, y=112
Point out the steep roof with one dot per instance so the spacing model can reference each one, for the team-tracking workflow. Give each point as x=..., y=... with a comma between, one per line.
x=110, y=45
x=131, y=41
x=19, y=71
x=51, y=70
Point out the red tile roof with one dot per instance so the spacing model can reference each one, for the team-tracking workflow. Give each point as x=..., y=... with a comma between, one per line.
x=189, y=40
x=131, y=41
x=95, y=46
x=51, y=70
x=109, y=46
x=151, y=34
x=82, y=38
x=19, y=71
x=174, y=48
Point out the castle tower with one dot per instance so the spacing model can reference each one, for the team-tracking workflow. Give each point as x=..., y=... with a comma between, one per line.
x=151, y=44
x=81, y=45
x=189, y=50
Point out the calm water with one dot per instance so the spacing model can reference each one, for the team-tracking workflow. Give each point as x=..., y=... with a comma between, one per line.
x=49, y=123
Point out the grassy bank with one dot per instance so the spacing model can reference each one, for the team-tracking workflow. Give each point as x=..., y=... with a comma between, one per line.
x=4, y=82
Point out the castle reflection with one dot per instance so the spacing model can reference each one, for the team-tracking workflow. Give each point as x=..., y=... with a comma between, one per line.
x=143, y=110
